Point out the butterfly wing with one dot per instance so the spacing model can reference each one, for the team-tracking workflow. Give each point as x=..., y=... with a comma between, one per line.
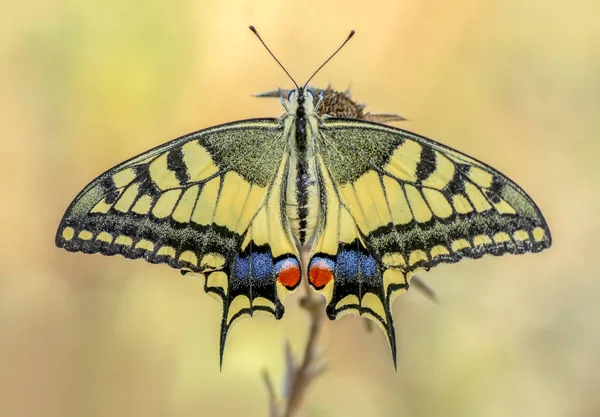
x=209, y=203
x=396, y=203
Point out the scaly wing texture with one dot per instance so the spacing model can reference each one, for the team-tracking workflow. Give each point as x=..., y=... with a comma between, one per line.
x=209, y=203
x=396, y=203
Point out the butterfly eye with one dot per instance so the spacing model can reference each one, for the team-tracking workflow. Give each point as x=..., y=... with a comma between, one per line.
x=290, y=94
x=311, y=92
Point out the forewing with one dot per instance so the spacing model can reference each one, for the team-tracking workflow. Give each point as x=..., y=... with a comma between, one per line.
x=207, y=203
x=396, y=203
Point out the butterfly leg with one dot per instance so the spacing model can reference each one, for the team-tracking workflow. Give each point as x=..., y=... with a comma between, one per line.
x=319, y=102
x=282, y=100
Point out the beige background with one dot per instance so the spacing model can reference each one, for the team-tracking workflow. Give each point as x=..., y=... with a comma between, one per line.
x=85, y=85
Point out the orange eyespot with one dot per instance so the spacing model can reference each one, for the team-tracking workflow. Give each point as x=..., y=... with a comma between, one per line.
x=321, y=272
x=289, y=274
x=319, y=277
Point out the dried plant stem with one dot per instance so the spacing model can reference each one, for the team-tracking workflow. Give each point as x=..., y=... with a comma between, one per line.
x=308, y=369
x=273, y=404
x=297, y=378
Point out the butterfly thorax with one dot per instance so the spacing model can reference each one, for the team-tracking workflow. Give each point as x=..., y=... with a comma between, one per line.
x=302, y=194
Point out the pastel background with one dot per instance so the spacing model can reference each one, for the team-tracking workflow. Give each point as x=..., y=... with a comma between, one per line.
x=85, y=85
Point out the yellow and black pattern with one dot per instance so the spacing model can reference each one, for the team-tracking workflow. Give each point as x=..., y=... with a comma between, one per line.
x=397, y=203
x=234, y=203
x=207, y=203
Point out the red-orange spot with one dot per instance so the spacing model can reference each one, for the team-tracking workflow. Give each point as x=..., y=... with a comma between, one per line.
x=289, y=276
x=320, y=275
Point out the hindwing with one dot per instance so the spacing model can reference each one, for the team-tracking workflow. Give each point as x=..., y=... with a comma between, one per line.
x=209, y=203
x=395, y=203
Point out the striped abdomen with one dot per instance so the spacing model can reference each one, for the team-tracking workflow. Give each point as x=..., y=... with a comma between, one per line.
x=302, y=199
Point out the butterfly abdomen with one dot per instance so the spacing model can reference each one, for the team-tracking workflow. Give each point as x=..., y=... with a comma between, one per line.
x=302, y=199
x=302, y=194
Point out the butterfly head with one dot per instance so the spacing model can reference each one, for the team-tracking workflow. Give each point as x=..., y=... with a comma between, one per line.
x=301, y=98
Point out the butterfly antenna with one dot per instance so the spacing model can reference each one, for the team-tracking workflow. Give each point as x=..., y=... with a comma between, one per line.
x=332, y=55
x=253, y=29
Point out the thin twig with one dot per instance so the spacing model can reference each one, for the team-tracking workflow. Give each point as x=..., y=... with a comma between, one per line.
x=425, y=289
x=297, y=378
x=305, y=373
x=273, y=404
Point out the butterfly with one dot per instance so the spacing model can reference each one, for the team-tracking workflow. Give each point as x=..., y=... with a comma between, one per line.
x=236, y=203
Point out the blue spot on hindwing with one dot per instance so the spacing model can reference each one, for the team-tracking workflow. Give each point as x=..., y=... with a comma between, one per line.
x=261, y=266
x=347, y=263
x=258, y=266
x=241, y=268
x=368, y=266
x=351, y=262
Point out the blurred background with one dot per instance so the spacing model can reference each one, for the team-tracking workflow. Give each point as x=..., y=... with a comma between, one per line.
x=85, y=85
